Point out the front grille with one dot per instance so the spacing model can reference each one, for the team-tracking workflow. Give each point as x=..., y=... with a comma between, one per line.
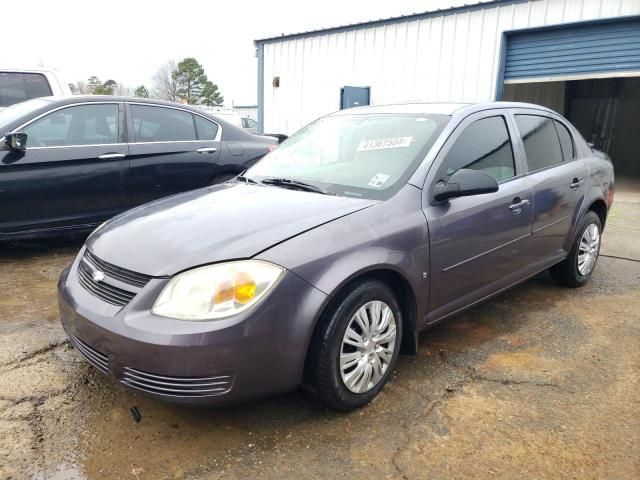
x=176, y=386
x=102, y=290
x=122, y=274
x=94, y=357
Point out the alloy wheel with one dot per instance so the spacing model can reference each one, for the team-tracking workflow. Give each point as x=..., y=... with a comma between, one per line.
x=588, y=249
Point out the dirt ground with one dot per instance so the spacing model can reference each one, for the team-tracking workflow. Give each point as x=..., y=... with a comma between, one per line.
x=542, y=382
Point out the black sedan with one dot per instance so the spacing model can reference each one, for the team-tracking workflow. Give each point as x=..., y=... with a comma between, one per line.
x=69, y=164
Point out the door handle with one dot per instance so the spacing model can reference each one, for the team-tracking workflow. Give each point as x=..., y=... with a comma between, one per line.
x=576, y=184
x=108, y=156
x=207, y=150
x=516, y=206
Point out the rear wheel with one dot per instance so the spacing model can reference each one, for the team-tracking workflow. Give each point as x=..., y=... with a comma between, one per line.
x=356, y=349
x=576, y=269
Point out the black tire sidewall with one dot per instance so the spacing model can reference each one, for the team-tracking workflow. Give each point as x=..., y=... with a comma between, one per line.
x=332, y=388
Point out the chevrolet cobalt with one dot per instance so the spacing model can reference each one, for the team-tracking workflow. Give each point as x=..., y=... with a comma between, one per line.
x=321, y=263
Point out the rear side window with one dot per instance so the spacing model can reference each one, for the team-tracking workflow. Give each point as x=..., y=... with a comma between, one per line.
x=80, y=125
x=566, y=143
x=205, y=129
x=540, y=139
x=160, y=124
x=485, y=146
x=18, y=87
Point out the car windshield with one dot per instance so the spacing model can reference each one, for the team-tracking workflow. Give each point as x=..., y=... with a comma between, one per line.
x=14, y=112
x=369, y=156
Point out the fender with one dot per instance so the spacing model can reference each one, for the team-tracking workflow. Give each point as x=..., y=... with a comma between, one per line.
x=363, y=242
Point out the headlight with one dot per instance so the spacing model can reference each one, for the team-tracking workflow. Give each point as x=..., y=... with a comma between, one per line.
x=217, y=291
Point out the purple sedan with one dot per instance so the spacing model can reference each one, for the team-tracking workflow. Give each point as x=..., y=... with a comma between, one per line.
x=321, y=263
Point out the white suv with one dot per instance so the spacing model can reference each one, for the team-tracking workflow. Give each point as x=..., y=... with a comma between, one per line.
x=18, y=85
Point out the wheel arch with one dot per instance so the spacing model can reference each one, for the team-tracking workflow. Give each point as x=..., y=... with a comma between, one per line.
x=401, y=288
x=600, y=208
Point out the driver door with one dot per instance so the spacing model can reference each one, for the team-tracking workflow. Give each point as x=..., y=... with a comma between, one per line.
x=72, y=173
x=478, y=244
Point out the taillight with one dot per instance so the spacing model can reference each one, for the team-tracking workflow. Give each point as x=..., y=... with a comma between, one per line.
x=271, y=148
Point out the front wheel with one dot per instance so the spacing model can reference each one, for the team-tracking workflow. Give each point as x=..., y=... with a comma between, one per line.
x=357, y=347
x=576, y=269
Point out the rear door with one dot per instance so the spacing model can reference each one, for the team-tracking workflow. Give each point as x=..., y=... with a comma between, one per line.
x=73, y=172
x=172, y=150
x=558, y=178
x=478, y=244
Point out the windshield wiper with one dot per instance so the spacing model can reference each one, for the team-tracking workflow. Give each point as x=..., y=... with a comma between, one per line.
x=294, y=184
x=242, y=178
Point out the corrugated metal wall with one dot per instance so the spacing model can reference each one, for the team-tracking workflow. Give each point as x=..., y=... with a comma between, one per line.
x=450, y=57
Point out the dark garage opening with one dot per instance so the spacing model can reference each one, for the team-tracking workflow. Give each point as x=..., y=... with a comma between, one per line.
x=606, y=111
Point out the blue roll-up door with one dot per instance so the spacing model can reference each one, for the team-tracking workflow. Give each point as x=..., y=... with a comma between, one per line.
x=574, y=51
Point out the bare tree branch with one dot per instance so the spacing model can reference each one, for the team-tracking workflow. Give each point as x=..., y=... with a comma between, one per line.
x=164, y=82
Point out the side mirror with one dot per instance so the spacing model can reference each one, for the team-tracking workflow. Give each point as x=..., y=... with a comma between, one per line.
x=16, y=141
x=463, y=183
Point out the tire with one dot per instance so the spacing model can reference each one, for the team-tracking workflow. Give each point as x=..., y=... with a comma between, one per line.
x=372, y=359
x=570, y=272
x=223, y=177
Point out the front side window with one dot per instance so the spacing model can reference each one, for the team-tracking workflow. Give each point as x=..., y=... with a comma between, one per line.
x=540, y=139
x=17, y=87
x=80, y=125
x=485, y=146
x=160, y=124
x=370, y=156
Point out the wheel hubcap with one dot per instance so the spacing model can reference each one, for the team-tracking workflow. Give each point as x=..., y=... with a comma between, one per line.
x=367, y=346
x=588, y=250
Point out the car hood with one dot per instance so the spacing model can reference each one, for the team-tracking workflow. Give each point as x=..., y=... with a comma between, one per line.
x=224, y=222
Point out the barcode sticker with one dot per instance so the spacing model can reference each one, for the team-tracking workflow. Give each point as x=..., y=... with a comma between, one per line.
x=383, y=143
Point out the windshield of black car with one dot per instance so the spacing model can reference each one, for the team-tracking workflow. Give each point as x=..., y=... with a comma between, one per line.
x=360, y=155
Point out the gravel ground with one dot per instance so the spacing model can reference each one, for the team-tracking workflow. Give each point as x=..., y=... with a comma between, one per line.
x=542, y=382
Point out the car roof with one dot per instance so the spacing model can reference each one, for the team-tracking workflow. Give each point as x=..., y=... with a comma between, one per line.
x=436, y=108
x=115, y=98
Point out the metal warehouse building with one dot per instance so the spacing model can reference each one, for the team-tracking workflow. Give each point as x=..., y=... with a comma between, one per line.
x=579, y=57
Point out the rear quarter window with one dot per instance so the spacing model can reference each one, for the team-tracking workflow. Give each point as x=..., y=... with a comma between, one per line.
x=17, y=87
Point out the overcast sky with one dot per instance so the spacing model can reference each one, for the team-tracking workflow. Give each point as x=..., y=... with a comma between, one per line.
x=128, y=40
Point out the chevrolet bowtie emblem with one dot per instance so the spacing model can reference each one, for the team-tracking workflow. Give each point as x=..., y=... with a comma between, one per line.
x=97, y=276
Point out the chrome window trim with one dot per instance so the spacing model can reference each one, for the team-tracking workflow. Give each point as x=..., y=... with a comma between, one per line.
x=29, y=122
x=119, y=144
x=143, y=104
x=171, y=141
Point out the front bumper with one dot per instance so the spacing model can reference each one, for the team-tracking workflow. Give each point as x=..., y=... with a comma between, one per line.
x=257, y=353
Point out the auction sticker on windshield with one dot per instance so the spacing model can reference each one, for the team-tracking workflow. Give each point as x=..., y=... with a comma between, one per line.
x=378, y=180
x=382, y=143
